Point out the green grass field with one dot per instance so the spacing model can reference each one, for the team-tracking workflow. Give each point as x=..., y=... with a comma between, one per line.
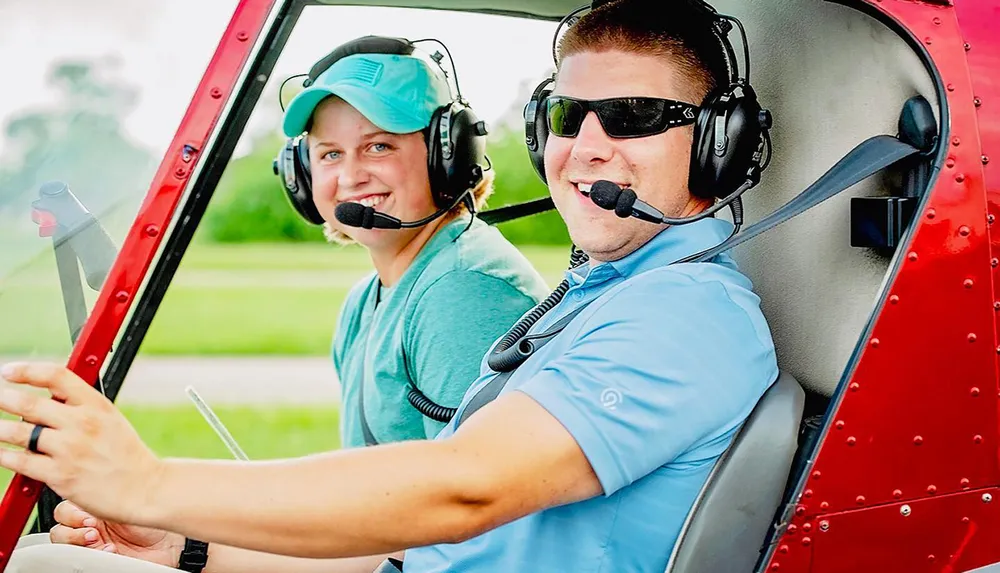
x=262, y=433
x=248, y=299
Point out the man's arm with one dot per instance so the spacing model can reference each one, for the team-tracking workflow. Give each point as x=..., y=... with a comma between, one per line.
x=509, y=460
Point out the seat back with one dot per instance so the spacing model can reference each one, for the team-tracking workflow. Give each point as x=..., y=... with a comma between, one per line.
x=730, y=519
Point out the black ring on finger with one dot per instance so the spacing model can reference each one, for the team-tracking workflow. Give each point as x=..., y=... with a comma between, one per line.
x=33, y=440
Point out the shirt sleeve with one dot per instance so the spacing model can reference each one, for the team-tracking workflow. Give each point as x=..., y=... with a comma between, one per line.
x=453, y=324
x=645, y=383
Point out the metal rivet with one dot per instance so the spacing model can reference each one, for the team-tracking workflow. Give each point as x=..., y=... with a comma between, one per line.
x=927, y=40
x=775, y=567
x=964, y=483
x=152, y=230
x=897, y=493
x=792, y=529
x=893, y=299
x=839, y=425
x=960, y=177
x=851, y=440
x=967, y=46
x=931, y=489
x=807, y=527
x=985, y=159
x=917, y=440
x=996, y=305
x=817, y=475
x=91, y=360
x=951, y=87
x=974, y=391
x=912, y=257
x=824, y=505
x=971, y=337
x=806, y=541
x=977, y=439
x=783, y=549
x=800, y=510
x=855, y=386
x=860, y=500
x=998, y=349
x=217, y=93
x=824, y=525
x=977, y=101
x=808, y=493
x=964, y=230
x=242, y=36
x=930, y=558
x=994, y=262
x=179, y=172
x=931, y=213
x=950, y=162
x=875, y=343
x=122, y=296
x=937, y=21
x=956, y=141
x=905, y=510
x=965, y=520
x=990, y=218
x=968, y=283
x=987, y=498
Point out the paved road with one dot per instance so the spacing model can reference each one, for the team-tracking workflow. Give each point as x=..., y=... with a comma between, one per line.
x=299, y=381
x=231, y=381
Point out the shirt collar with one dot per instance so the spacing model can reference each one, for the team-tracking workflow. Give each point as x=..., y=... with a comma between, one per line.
x=671, y=244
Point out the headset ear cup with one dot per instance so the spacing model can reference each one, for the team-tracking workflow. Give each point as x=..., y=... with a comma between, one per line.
x=292, y=168
x=536, y=127
x=724, y=155
x=455, y=157
x=435, y=163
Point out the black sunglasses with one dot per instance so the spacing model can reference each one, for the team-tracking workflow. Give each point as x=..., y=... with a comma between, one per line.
x=621, y=117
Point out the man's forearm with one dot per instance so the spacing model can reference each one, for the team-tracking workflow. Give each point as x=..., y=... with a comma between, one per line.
x=365, y=501
x=226, y=559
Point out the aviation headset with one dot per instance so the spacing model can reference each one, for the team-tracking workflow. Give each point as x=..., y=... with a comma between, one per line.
x=455, y=138
x=730, y=130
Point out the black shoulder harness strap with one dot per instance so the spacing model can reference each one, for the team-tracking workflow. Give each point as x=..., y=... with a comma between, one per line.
x=868, y=158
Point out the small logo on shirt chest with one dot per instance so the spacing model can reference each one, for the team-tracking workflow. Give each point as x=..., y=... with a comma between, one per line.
x=610, y=398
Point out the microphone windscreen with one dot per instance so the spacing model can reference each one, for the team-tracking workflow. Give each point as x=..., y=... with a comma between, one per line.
x=351, y=214
x=623, y=208
x=605, y=194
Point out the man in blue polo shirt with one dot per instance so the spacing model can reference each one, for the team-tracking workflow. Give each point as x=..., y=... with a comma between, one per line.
x=588, y=460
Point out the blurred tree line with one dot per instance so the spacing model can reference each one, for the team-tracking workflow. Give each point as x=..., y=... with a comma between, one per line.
x=81, y=141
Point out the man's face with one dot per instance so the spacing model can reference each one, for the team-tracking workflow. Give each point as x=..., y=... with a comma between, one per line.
x=352, y=160
x=656, y=166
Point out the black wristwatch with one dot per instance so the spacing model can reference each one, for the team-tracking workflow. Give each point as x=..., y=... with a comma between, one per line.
x=194, y=556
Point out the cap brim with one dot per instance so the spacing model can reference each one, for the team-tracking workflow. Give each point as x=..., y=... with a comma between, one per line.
x=368, y=104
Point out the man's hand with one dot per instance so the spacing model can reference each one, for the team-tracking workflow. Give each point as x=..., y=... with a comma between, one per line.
x=87, y=451
x=77, y=527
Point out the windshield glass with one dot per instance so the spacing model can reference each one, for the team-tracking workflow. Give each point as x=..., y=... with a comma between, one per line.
x=99, y=90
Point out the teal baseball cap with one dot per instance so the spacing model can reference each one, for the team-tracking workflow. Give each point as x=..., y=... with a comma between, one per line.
x=398, y=93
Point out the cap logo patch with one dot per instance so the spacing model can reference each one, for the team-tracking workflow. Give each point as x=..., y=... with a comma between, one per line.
x=367, y=71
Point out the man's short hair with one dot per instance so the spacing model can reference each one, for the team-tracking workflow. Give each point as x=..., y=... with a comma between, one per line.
x=674, y=30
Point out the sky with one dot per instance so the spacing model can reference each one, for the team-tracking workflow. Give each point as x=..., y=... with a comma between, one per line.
x=496, y=57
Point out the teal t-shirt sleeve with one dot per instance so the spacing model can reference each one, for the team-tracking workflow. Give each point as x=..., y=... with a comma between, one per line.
x=643, y=385
x=453, y=324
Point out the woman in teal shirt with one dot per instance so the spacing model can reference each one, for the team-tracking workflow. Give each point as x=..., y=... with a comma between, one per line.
x=384, y=138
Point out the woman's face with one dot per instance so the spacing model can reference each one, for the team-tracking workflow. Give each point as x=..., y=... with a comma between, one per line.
x=352, y=160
